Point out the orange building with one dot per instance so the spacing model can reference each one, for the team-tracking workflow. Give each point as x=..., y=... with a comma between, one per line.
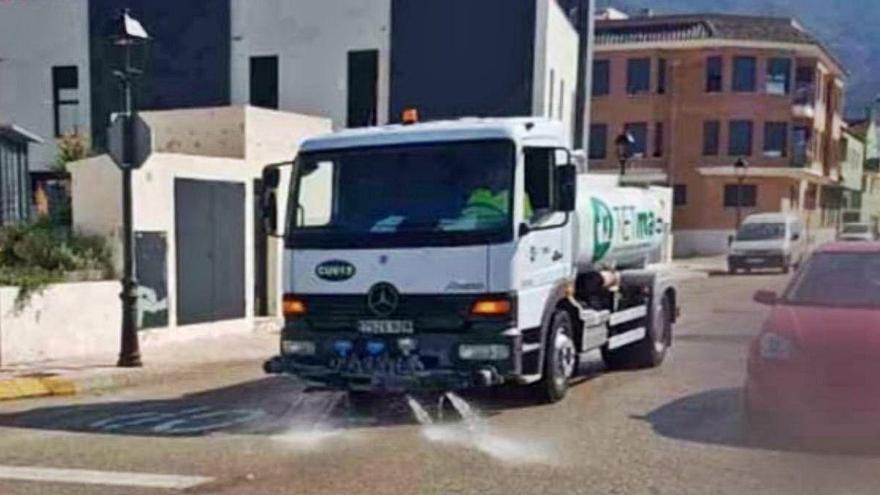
x=697, y=93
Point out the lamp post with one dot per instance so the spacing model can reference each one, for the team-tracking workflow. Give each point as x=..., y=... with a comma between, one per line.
x=741, y=167
x=125, y=35
x=624, y=143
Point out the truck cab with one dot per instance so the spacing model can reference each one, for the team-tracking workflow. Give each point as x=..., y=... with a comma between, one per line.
x=436, y=256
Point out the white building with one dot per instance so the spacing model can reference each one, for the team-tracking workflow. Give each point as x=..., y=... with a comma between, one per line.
x=44, y=71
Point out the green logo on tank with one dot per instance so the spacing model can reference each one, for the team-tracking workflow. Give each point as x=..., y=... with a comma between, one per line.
x=603, y=229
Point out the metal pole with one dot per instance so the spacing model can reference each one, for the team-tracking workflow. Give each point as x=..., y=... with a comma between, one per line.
x=739, y=201
x=129, y=354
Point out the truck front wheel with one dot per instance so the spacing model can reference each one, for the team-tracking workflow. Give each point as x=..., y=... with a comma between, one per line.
x=560, y=359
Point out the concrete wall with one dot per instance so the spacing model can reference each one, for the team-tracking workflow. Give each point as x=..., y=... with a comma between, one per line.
x=853, y=166
x=250, y=138
x=556, y=53
x=26, y=62
x=217, y=132
x=312, y=40
x=96, y=201
x=66, y=321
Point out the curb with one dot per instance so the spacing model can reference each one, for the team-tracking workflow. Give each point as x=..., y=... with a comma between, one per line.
x=30, y=387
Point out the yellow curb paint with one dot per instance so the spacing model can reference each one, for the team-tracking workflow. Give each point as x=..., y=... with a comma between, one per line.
x=22, y=388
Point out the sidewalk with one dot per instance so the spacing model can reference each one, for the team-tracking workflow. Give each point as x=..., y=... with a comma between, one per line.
x=161, y=362
x=693, y=268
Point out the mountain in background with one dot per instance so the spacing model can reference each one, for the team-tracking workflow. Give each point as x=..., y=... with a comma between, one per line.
x=849, y=28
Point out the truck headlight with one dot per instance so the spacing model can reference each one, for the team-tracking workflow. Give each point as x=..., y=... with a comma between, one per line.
x=773, y=346
x=298, y=347
x=489, y=352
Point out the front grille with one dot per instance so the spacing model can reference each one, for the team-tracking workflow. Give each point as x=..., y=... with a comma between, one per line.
x=760, y=252
x=342, y=312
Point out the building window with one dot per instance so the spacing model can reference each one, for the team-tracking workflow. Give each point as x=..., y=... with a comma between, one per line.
x=748, y=193
x=744, y=74
x=778, y=76
x=65, y=99
x=363, y=88
x=264, y=81
x=639, y=133
x=711, y=138
x=658, y=140
x=598, y=141
x=601, y=77
x=679, y=194
x=638, y=75
x=802, y=137
x=714, y=74
x=740, y=141
x=775, y=139
x=804, y=85
x=661, y=76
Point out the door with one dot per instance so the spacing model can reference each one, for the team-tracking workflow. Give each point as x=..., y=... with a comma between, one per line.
x=209, y=231
x=542, y=261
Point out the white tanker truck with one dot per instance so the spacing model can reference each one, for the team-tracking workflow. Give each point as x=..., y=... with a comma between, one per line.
x=470, y=253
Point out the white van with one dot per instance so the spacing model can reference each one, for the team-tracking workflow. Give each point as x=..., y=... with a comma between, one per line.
x=857, y=232
x=768, y=240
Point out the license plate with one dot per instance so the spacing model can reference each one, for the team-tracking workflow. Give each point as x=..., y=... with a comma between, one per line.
x=755, y=261
x=386, y=327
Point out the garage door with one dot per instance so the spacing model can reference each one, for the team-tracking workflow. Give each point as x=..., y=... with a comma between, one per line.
x=210, y=238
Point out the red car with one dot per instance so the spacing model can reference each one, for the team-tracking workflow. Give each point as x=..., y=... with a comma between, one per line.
x=814, y=369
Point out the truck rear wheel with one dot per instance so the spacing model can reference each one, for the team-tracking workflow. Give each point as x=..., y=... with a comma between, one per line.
x=560, y=359
x=648, y=352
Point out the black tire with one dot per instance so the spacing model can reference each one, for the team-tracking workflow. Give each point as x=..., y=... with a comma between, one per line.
x=560, y=360
x=649, y=352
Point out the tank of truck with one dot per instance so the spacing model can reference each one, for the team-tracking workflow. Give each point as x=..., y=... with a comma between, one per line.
x=616, y=227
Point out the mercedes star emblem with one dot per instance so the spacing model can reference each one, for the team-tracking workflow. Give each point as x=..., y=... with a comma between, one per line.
x=383, y=299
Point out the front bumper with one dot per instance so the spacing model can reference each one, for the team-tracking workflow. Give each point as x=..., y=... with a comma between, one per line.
x=433, y=366
x=739, y=261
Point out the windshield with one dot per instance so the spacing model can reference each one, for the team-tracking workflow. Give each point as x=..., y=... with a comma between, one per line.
x=761, y=232
x=838, y=280
x=419, y=195
x=855, y=229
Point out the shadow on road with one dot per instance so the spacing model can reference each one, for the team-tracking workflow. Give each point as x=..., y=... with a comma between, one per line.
x=716, y=417
x=265, y=406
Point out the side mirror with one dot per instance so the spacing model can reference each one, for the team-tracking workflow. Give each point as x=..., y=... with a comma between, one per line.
x=271, y=177
x=795, y=237
x=766, y=297
x=268, y=201
x=730, y=240
x=566, y=185
x=270, y=212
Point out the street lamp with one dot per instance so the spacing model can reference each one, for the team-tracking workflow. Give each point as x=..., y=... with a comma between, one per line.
x=624, y=143
x=741, y=168
x=126, y=34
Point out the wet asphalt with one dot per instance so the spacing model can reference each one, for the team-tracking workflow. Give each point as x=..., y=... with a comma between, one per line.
x=672, y=430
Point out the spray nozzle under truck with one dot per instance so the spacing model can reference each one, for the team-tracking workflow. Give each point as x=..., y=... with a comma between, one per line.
x=460, y=254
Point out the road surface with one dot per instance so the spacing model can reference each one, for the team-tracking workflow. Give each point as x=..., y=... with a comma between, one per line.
x=673, y=430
